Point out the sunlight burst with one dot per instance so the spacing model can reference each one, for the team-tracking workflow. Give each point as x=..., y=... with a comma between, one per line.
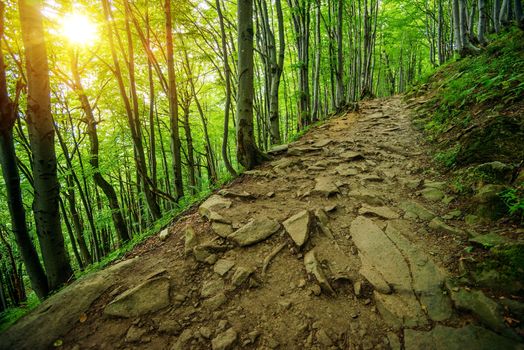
x=78, y=29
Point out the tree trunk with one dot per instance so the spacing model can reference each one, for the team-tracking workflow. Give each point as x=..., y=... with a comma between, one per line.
x=483, y=19
x=340, y=56
x=41, y=134
x=247, y=152
x=173, y=105
x=227, y=78
x=108, y=189
x=277, y=66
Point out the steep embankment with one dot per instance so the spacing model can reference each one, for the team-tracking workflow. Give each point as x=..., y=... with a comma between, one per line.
x=347, y=239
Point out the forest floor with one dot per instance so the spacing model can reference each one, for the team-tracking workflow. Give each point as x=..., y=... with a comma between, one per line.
x=347, y=239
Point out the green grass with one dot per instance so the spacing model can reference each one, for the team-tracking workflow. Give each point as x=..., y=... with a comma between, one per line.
x=11, y=315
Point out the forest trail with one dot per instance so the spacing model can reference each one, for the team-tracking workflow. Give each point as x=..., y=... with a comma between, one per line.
x=343, y=241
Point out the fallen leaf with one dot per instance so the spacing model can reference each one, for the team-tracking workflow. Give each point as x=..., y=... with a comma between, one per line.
x=58, y=343
x=82, y=318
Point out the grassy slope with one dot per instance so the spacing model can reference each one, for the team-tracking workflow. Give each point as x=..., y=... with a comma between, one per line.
x=475, y=114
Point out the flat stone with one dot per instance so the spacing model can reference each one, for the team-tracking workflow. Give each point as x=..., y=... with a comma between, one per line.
x=394, y=341
x=351, y=155
x=427, y=278
x=432, y=194
x=224, y=340
x=213, y=203
x=454, y=214
x=400, y=310
x=381, y=212
x=438, y=224
x=410, y=183
x=469, y=337
x=235, y=194
x=221, y=229
x=150, y=296
x=215, y=302
x=222, y=266
x=325, y=186
x=386, y=268
x=216, y=217
x=416, y=210
x=313, y=267
x=241, y=275
x=367, y=196
x=211, y=288
x=298, y=227
x=488, y=311
x=255, y=231
x=489, y=240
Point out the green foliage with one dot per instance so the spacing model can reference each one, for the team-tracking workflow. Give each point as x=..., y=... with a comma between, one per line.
x=514, y=200
x=11, y=315
x=448, y=157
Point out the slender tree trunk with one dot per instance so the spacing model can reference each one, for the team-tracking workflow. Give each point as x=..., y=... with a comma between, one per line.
x=483, y=18
x=41, y=134
x=108, y=189
x=247, y=152
x=340, y=56
x=277, y=67
x=131, y=111
x=173, y=105
x=227, y=78
x=496, y=15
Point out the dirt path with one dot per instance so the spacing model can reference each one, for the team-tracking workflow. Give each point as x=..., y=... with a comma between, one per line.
x=339, y=243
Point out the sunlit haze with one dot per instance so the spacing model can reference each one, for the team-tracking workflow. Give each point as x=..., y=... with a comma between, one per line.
x=78, y=29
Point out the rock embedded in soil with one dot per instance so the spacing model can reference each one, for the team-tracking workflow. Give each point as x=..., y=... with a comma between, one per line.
x=313, y=267
x=432, y=194
x=215, y=302
x=203, y=254
x=381, y=212
x=235, y=194
x=351, y=155
x=438, y=224
x=182, y=340
x=164, y=234
x=255, y=231
x=367, y=196
x=224, y=340
x=241, y=275
x=222, y=266
x=298, y=227
x=212, y=204
x=150, y=296
x=221, y=229
x=489, y=240
x=488, y=311
x=325, y=186
x=212, y=287
x=416, y=211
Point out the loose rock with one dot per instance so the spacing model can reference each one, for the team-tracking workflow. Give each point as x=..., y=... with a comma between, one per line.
x=150, y=296
x=255, y=231
x=298, y=227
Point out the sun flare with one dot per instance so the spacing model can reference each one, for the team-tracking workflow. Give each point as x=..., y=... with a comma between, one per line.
x=78, y=29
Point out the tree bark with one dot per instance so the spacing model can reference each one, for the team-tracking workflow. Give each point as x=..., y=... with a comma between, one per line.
x=227, y=78
x=247, y=152
x=173, y=105
x=41, y=134
x=483, y=19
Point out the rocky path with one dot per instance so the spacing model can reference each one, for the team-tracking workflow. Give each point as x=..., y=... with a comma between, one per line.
x=346, y=240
